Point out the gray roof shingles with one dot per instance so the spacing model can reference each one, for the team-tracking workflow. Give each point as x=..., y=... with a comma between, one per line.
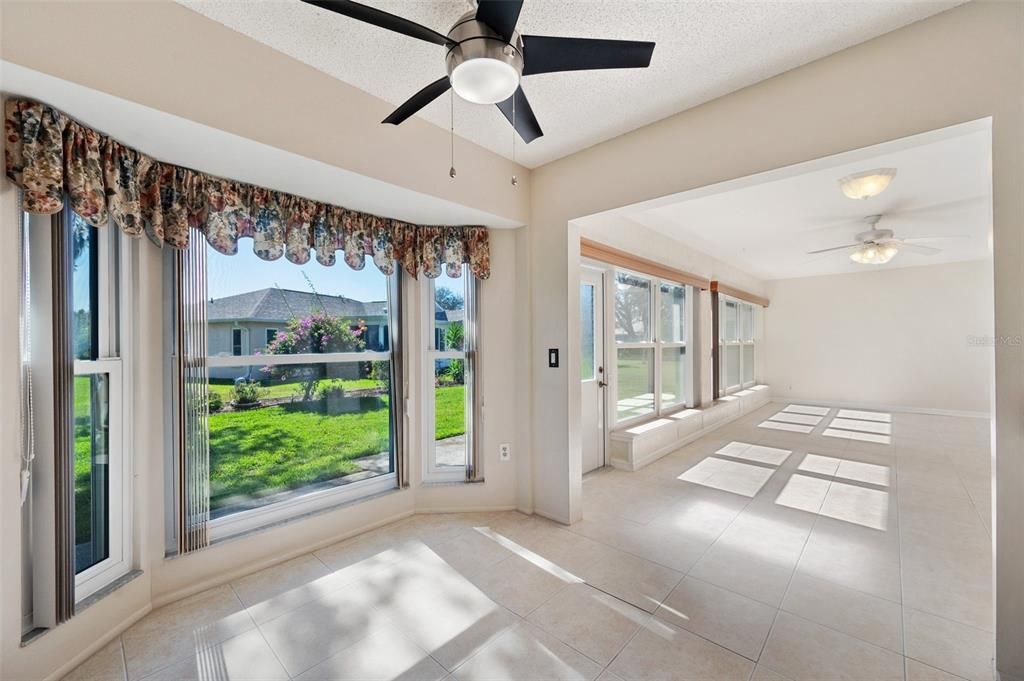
x=281, y=305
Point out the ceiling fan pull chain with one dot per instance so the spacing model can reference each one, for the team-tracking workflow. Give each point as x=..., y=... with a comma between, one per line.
x=451, y=123
x=515, y=180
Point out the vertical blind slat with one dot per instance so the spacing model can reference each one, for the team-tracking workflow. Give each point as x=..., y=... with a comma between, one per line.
x=192, y=374
x=63, y=384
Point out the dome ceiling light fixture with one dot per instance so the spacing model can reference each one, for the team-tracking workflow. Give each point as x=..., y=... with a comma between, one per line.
x=867, y=184
x=486, y=57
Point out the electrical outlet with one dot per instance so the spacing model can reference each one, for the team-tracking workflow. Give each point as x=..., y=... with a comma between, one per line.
x=505, y=451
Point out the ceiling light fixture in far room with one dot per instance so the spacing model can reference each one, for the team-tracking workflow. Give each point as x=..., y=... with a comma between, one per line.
x=874, y=254
x=868, y=183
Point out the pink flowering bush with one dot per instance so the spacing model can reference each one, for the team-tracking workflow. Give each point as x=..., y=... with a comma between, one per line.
x=317, y=333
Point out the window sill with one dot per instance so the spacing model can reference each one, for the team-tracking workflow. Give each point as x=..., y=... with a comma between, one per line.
x=450, y=483
x=244, y=523
x=34, y=635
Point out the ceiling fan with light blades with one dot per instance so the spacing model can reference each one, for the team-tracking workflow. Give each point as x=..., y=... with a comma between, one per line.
x=486, y=57
x=878, y=246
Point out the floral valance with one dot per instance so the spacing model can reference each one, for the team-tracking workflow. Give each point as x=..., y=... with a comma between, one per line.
x=50, y=156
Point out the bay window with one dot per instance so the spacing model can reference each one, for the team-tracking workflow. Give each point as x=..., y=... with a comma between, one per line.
x=305, y=420
x=449, y=315
x=653, y=368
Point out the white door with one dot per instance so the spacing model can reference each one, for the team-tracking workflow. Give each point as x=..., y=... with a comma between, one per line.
x=592, y=373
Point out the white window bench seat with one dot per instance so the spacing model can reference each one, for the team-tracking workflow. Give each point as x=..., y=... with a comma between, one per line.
x=637, y=445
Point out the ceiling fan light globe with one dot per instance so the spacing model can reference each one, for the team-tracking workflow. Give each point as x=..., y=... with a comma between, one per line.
x=870, y=254
x=484, y=80
x=867, y=184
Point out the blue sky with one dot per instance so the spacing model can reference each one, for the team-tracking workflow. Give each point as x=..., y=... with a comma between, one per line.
x=232, y=274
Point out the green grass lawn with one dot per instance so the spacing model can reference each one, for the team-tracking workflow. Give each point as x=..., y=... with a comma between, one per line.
x=83, y=460
x=280, y=390
x=273, y=448
x=283, y=447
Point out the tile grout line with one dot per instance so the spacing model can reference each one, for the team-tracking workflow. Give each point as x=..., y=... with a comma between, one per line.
x=899, y=533
x=792, y=575
x=124, y=657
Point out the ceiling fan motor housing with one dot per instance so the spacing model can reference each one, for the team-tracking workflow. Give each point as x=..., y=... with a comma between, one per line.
x=875, y=235
x=494, y=60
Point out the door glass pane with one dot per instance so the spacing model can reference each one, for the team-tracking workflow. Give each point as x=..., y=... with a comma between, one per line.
x=673, y=376
x=731, y=331
x=732, y=365
x=587, y=366
x=673, y=313
x=450, y=400
x=450, y=311
x=632, y=308
x=748, y=363
x=84, y=288
x=92, y=525
x=635, y=382
x=278, y=431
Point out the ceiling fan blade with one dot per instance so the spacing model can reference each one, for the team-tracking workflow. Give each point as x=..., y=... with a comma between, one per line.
x=918, y=248
x=500, y=15
x=834, y=248
x=419, y=100
x=934, y=238
x=547, y=54
x=372, y=15
x=526, y=123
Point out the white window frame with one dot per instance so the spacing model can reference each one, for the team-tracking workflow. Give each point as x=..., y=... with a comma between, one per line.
x=656, y=344
x=267, y=337
x=687, y=397
x=431, y=472
x=739, y=341
x=115, y=324
x=116, y=280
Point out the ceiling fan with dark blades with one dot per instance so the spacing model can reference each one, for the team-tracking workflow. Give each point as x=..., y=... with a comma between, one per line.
x=486, y=57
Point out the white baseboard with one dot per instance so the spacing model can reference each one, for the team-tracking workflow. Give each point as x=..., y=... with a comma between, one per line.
x=225, y=577
x=466, y=509
x=874, y=406
x=98, y=644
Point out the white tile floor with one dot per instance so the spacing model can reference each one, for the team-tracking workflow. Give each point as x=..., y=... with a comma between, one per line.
x=751, y=554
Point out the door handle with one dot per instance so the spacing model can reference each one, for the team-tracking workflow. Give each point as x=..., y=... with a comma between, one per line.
x=602, y=384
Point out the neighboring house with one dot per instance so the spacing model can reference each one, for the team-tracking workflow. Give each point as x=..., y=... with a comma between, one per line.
x=245, y=323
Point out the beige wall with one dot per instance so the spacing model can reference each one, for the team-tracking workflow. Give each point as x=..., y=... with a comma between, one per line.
x=172, y=59
x=962, y=65
x=259, y=94
x=907, y=338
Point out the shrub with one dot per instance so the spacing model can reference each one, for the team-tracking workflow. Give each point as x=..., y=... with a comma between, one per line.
x=330, y=388
x=214, y=402
x=380, y=371
x=456, y=371
x=247, y=392
x=454, y=336
x=316, y=333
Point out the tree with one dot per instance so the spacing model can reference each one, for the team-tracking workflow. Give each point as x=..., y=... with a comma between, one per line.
x=632, y=309
x=317, y=333
x=448, y=299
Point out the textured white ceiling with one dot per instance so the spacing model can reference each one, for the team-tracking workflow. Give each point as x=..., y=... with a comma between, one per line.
x=705, y=49
x=765, y=226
